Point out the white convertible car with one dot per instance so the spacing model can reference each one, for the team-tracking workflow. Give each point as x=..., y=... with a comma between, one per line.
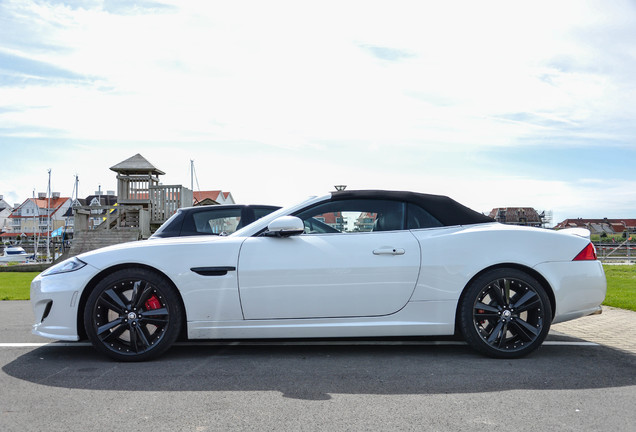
x=349, y=264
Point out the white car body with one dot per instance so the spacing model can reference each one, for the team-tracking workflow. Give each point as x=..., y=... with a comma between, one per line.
x=390, y=283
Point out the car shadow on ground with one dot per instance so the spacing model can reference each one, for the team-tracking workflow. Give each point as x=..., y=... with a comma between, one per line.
x=314, y=372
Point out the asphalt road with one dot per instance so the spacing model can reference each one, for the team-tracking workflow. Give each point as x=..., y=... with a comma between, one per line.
x=402, y=385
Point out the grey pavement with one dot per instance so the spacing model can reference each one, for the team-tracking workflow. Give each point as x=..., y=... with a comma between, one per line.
x=615, y=328
x=573, y=386
x=16, y=318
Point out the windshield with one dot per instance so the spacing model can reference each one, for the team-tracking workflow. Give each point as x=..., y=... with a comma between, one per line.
x=264, y=221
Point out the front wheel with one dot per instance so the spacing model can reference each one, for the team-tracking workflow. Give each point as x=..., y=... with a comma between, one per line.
x=505, y=313
x=133, y=315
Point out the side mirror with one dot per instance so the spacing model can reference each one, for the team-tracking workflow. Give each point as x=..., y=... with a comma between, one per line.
x=285, y=226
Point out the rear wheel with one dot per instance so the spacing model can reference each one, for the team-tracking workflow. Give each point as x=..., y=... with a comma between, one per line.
x=133, y=315
x=505, y=313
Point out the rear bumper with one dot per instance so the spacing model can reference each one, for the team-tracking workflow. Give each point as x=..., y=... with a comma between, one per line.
x=579, y=287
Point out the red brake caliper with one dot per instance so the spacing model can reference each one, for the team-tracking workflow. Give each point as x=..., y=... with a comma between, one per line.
x=152, y=303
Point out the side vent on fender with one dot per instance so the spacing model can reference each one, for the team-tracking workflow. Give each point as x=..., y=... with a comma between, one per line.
x=47, y=310
x=212, y=271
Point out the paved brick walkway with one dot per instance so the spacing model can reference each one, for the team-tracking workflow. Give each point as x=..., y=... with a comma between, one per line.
x=615, y=328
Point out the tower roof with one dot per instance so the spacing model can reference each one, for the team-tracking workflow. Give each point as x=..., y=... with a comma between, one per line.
x=136, y=165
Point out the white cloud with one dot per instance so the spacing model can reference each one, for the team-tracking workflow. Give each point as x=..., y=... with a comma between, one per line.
x=254, y=68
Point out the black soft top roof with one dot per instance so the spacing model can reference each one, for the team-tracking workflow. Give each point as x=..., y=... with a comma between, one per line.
x=446, y=210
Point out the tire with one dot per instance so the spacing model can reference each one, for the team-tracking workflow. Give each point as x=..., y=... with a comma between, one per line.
x=133, y=315
x=505, y=313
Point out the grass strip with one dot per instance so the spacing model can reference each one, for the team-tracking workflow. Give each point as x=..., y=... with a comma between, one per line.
x=16, y=285
x=621, y=286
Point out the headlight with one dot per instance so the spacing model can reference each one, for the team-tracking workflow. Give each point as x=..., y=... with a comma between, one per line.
x=69, y=265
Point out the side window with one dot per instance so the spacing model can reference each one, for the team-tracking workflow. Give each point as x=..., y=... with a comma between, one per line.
x=417, y=217
x=351, y=216
x=260, y=212
x=171, y=227
x=214, y=222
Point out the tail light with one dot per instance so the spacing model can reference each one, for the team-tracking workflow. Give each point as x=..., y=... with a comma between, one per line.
x=587, y=254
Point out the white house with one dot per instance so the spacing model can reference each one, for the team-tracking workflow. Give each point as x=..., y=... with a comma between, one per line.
x=5, y=212
x=32, y=216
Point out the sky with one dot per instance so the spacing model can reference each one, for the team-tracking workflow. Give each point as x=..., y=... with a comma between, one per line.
x=494, y=103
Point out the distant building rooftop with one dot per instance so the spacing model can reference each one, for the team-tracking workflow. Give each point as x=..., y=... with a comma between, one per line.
x=517, y=216
x=600, y=225
x=212, y=197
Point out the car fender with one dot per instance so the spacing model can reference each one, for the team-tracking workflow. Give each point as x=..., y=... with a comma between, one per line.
x=207, y=294
x=453, y=256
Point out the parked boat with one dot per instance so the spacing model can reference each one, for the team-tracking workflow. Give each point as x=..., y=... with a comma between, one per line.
x=14, y=254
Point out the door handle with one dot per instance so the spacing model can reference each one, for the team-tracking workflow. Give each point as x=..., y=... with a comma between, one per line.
x=388, y=251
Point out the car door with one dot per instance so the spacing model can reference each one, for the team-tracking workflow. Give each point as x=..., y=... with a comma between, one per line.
x=354, y=259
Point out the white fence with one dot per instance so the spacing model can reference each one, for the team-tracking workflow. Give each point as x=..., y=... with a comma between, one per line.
x=616, y=252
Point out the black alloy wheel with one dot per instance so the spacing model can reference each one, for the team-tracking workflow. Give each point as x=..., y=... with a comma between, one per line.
x=133, y=315
x=505, y=313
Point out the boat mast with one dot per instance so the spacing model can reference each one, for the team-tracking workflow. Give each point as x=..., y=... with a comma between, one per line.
x=74, y=200
x=36, y=223
x=48, y=219
x=193, y=177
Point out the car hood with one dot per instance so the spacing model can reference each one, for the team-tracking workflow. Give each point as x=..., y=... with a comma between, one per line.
x=166, y=252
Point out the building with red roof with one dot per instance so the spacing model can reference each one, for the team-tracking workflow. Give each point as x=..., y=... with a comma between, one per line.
x=600, y=226
x=212, y=197
x=525, y=216
x=41, y=216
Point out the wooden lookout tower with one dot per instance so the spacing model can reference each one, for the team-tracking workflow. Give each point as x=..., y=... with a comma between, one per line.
x=135, y=177
x=143, y=204
x=138, y=187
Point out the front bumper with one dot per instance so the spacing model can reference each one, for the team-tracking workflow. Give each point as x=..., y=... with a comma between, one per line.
x=55, y=301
